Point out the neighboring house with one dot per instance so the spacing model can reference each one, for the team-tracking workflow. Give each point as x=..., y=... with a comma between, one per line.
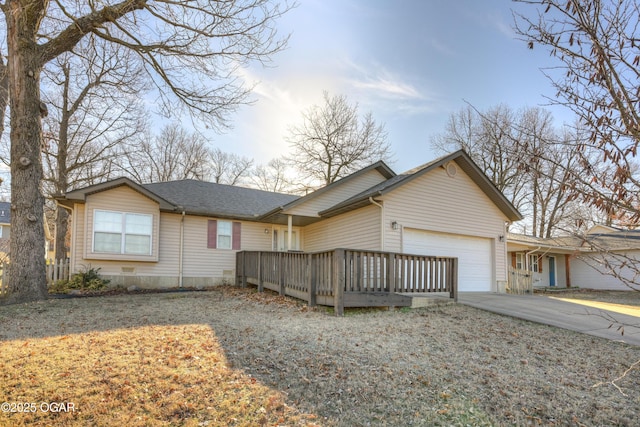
x=5, y=230
x=186, y=233
x=585, y=262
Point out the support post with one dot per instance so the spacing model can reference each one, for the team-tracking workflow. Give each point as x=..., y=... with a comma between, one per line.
x=391, y=272
x=281, y=263
x=260, y=279
x=338, y=281
x=239, y=267
x=311, y=281
x=454, y=279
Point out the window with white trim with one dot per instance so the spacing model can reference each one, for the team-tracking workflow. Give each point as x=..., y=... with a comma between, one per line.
x=122, y=233
x=225, y=234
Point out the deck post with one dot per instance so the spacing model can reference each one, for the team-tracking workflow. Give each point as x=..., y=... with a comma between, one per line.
x=239, y=267
x=338, y=281
x=454, y=279
x=281, y=262
x=311, y=281
x=391, y=272
x=260, y=279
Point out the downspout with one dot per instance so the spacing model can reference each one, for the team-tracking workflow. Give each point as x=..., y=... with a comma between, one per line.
x=181, y=255
x=381, y=221
x=526, y=257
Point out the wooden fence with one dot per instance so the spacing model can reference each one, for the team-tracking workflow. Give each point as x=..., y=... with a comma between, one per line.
x=520, y=281
x=348, y=278
x=56, y=270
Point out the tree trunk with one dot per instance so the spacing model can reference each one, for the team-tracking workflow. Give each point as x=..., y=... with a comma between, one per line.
x=62, y=227
x=27, y=279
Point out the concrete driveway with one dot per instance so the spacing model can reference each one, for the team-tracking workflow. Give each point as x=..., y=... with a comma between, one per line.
x=575, y=316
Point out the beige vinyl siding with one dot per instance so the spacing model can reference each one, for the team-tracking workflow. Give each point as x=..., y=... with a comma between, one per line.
x=337, y=194
x=200, y=261
x=201, y=265
x=359, y=229
x=121, y=199
x=438, y=202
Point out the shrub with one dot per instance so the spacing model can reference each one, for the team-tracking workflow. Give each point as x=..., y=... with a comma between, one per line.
x=88, y=279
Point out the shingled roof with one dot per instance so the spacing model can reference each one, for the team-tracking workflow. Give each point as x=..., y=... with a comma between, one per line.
x=195, y=197
x=227, y=201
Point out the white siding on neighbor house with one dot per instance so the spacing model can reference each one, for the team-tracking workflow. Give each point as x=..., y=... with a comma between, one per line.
x=583, y=275
x=438, y=202
x=359, y=229
x=339, y=193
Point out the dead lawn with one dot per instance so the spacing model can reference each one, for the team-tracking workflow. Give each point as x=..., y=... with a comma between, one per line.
x=235, y=357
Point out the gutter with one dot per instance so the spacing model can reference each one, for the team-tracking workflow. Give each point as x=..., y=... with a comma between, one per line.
x=181, y=252
x=381, y=221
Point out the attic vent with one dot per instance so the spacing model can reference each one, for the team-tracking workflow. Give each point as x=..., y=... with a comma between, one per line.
x=451, y=168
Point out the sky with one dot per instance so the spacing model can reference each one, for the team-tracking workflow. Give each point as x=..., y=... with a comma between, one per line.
x=410, y=63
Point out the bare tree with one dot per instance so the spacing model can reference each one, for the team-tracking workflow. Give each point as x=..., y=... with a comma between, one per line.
x=172, y=155
x=333, y=141
x=274, y=176
x=229, y=168
x=596, y=45
x=190, y=50
x=93, y=110
x=524, y=157
x=490, y=139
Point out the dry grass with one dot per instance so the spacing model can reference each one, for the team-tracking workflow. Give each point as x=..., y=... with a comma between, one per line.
x=235, y=357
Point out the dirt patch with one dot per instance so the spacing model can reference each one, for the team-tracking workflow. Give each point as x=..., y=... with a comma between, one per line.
x=450, y=365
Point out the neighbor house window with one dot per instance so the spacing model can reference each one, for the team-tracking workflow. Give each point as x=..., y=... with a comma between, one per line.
x=519, y=261
x=122, y=233
x=223, y=234
x=535, y=263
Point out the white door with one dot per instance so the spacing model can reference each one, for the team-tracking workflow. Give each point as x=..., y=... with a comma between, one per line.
x=475, y=260
x=281, y=239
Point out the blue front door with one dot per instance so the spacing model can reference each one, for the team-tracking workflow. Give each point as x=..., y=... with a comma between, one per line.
x=552, y=271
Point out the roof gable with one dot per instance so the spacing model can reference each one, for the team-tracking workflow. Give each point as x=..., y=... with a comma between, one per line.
x=461, y=159
x=340, y=190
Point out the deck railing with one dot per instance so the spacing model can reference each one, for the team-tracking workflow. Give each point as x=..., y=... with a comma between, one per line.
x=348, y=278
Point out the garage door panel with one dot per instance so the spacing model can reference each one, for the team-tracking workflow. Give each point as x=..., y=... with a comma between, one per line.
x=475, y=265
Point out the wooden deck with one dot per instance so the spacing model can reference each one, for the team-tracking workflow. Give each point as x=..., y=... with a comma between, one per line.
x=348, y=278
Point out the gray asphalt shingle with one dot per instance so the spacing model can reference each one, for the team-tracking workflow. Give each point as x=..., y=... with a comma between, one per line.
x=207, y=198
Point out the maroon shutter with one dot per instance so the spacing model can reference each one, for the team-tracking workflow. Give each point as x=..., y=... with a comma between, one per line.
x=212, y=234
x=513, y=260
x=235, y=239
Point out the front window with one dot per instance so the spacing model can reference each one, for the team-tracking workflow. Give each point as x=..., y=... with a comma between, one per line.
x=224, y=234
x=122, y=233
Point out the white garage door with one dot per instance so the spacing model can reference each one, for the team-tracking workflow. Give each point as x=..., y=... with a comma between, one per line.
x=475, y=262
